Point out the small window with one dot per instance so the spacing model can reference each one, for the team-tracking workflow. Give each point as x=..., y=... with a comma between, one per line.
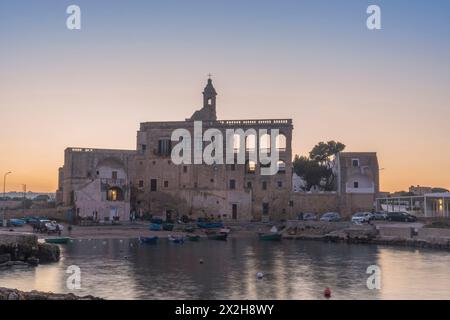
x=356, y=184
x=164, y=147
x=233, y=167
x=143, y=147
x=114, y=175
x=264, y=185
x=141, y=183
x=195, y=185
x=355, y=162
x=211, y=180
x=153, y=186
x=291, y=203
x=166, y=184
x=249, y=185
x=184, y=169
x=251, y=167
x=232, y=184
x=280, y=184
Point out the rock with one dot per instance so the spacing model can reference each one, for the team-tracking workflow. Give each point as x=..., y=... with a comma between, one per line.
x=14, y=294
x=48, y=252
x=33, y=261
x=5, y=258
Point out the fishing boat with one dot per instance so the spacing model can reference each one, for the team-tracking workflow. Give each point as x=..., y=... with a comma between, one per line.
x=193, y=237
x=167, y=226
x=189, y=229
x=270, y=236
x=175, y=239
x=210, y=225
x=16, y=222
x=148, y=240
x=213, y=235
x=60, y=240
x=155, y=227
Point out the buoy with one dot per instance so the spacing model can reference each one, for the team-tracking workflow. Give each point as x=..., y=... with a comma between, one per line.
x=327, y=293
x=260, y=275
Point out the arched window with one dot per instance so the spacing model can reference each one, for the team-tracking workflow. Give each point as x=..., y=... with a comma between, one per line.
x=264, y=142
x=250, y=143
x=281, y=166
x=250, y=167
x=236, y=143
x=114, y=194
x=280, y=142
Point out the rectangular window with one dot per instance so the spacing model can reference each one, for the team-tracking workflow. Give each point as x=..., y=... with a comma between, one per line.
x=166, y=184
x=234, y=211
x=153, y=186
x=141, y=183
x=114, y=175
x=355, y=162
x=291, y=203
x=264, y=185
x=184, y=169
x=144, y=147
x=280, y=184
x=249, y=185
x=356, y=184
x=232, y=184
x=233, y=167
x=164, y=147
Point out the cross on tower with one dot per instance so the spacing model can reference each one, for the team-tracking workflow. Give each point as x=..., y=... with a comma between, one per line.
x=209, y=75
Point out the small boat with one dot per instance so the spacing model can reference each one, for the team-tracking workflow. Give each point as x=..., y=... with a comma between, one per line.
x=193, y=237
x=218, y=236
x=148, y=240
x=210, y=225
x=274, y=236
x=167, y=226
x=60, y=240
x=175, y=239
x=155, y=227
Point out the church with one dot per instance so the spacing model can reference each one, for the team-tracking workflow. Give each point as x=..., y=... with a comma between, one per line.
x=107, y=185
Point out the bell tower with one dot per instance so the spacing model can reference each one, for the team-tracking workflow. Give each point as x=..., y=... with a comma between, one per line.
x=209, y=96
x=208, y=111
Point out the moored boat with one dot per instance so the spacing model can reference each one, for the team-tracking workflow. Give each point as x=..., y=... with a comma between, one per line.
x=217, y=236
x=175, y=239
x=193, y=237
x=274, y=236
x=149, y=240
x=59, y=240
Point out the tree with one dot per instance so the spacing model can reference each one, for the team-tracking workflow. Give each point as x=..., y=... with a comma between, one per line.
x=317, y=169
x=439, y=190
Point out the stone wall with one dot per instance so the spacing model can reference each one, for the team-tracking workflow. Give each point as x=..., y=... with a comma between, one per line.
x=14, y=294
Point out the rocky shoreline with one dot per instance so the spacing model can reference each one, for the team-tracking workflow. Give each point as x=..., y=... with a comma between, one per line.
x=21, y=249
x=430, y=238
x=14, y=294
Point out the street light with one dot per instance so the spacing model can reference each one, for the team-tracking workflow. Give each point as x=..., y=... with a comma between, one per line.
x=4, y=197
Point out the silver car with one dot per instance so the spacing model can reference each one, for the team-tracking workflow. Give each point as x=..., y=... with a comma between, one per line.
x=330, y=217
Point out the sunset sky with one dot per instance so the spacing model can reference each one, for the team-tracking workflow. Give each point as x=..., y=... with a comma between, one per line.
x=313, y=61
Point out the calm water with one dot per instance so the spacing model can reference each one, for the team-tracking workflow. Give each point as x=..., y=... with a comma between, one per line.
x=124, y=269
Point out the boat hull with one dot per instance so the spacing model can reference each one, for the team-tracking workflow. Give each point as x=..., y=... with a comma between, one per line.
x=270, y=237
x=57, y=240
x=148, y=240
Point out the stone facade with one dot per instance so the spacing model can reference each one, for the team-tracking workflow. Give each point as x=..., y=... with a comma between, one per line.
x=109, y=184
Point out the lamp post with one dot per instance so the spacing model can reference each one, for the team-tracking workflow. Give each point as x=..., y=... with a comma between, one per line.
x=4, y=197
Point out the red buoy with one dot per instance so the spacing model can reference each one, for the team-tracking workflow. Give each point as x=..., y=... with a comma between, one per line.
x=327, y=293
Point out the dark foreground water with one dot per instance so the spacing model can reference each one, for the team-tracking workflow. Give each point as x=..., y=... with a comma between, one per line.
x=125, y=269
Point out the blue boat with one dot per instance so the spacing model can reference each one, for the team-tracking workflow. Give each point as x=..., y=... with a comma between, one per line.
x=16, y=222
x=155, y=227
x=148, y=240
x=175, y=239
x=210, y=225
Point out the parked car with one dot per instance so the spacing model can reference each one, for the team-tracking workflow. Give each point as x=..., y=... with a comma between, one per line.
x=308, y=216
x=401, y=216
x=380, y=215
x=330, y=217
x=361, y=217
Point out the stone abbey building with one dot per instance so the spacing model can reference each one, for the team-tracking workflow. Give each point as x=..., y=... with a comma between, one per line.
x=109, y=184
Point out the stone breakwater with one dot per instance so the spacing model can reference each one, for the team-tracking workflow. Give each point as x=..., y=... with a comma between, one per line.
x=24, y=249
x=13, y=294
x=382, y=234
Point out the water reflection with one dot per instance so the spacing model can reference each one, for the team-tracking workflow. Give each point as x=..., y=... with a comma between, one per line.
x=124, y=269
